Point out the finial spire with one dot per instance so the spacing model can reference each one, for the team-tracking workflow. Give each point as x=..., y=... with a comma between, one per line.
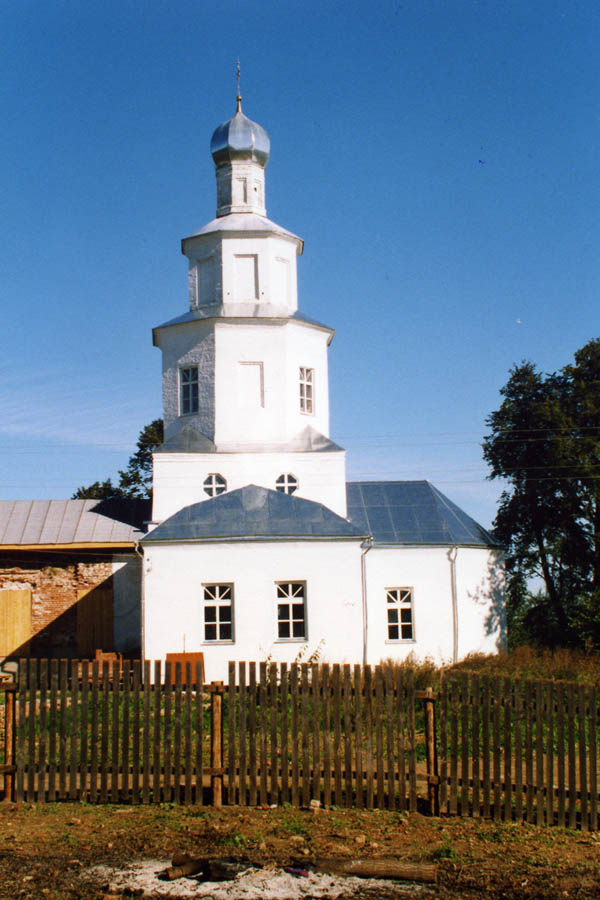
x=239, y=96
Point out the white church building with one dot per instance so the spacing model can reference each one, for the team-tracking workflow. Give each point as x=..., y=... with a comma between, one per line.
x=258, y=546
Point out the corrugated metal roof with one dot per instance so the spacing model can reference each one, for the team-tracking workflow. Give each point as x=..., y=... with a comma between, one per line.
x=27, y=522
x=411, y=512
x=254, y=512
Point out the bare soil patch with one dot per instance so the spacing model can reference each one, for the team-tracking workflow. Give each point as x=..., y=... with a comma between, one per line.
x=71, y=851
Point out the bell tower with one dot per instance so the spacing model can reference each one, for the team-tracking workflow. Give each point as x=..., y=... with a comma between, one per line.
x=245, y=379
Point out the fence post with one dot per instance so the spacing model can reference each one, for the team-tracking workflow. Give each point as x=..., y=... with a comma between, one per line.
x=9, y=739
x=431, y=756
x=216, y=741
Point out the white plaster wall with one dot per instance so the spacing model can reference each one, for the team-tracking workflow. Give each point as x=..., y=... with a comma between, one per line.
x=481, y=610
x=281, y=349
x=179, y=477
x=427, y=571
x=127, y=592
x=268, y=249
x=184, y=345
x=174, y=576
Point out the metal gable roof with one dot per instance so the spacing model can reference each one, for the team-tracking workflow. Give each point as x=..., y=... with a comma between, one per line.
x=254, y=512
x=49, y=522
x=412, y=512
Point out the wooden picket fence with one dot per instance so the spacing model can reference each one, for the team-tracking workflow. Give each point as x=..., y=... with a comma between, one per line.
x=347, y=736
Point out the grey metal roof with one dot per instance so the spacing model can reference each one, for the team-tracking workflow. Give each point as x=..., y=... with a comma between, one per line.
x=254, y=512
x=216, y=311
x=244, y=222
x=190, y=439
x=240, y=138
x=411, y=512
x=27, y=522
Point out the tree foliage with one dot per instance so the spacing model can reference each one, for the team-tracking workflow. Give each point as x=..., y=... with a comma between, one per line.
x=136, y=480
x=545, y=443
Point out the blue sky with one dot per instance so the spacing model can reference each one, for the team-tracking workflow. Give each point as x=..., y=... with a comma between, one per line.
x=439, y=157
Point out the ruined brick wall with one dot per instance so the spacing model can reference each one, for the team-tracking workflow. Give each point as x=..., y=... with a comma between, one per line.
x=54, y=584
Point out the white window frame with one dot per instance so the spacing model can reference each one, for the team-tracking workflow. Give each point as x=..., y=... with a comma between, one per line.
x=307, y=391
x=290, y=593
x=213, y=486
x=221, y=597
x=400, y=600
x=286, y=483
x=189, y=386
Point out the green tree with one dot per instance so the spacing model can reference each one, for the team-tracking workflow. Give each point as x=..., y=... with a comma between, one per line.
x=136, y=480
x=545, y=443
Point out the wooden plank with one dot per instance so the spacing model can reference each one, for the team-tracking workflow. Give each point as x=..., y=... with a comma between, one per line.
x=294, y=733
x=453, y=747
x=316, y=729
x=464, y=744
x=485, y=746
x=549, y=754
x=53, y=731
x=507, y=812
x=368, y=707
x=177, y=727
x=115, y=694
x=242, y=732
x=167, y=692
x=285, y=743
x=304, y=687
x=73, y=730
x=326, y=688
x=539, y=754
x=389, y=737
x=518, y=732
x=252, y=734
x=95, y=620
x=379, y=737
x=135, y=733
x=156, y=734
x=199, y=730
x=582, y=715
x=15, y=622
x=31, y=723
x=21, y=745
x=497, y=773
x=443, y=745
x=94, y=733
x=146, y=726
x=231, y=736
x=84, y=730
x=358, y=736
x=412, y=741
x=337, y=733
x=347, y=695
x=43, y=730
x=400, y=699
x=572, y=789
x=593, y=759
x=560, y=753
x=62, y=735
x=188, y=764
x=274, y=762
x=263, y=732
x=125, y=694
x=475, y=709
x=529, y=750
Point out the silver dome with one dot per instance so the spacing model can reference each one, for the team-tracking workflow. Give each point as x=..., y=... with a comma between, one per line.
x=240, y=138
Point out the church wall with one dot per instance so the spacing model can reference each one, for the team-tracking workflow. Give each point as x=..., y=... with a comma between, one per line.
x=427, y=572
x=179, y=477
x=189, y=345
x=173, y=605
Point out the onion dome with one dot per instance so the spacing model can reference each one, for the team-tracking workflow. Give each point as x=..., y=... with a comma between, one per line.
x=240, y=139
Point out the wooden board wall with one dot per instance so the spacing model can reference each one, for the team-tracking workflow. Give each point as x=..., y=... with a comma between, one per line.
x=15, y=622
x=95, y=621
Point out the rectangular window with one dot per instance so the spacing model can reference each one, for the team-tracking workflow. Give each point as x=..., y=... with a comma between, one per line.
x=291, y=610
x=307, y=381
x=188, y=382
x=400, y=614
x=218, y=612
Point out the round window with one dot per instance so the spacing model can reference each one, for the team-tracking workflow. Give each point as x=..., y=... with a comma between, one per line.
x=214, y=484
x=287, y=484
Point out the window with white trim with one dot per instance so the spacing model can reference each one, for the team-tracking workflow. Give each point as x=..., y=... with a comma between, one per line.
x=400, y=625
x=218, y=612
x=287, y=483
x=214, y=484
x=291, y=610
x=188, y=390
x=307, y=383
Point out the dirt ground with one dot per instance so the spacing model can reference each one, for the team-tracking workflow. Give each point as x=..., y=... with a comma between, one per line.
x=47, y=852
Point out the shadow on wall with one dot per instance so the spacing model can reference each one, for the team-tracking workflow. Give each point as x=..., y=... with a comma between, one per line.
x=491, y=593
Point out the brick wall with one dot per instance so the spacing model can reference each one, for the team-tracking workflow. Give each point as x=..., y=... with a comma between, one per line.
x=54, y=583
